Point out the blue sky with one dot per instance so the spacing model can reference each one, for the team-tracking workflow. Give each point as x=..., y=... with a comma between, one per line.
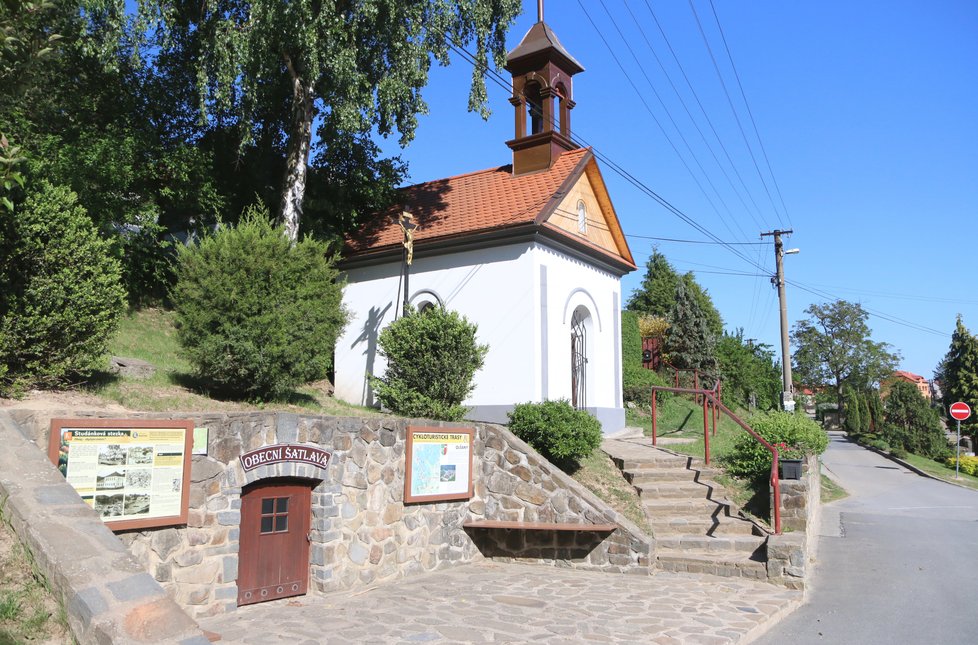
x=868, y=115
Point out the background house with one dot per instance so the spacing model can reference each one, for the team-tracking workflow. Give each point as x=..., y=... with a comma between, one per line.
x=532, y=252
x=922, y=384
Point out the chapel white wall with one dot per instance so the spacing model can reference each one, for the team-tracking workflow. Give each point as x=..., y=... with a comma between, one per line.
x=500, y=289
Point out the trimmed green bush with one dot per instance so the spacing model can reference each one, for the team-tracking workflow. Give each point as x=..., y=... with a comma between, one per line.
x=751, y=460
x=432, y=358
x=556, y=430
x=257, y=316
x=60, y=292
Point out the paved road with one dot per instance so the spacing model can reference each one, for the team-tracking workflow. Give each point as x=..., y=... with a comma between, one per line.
x=897, y=560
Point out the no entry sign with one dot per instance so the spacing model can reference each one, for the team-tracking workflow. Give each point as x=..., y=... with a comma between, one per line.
x=960, y=411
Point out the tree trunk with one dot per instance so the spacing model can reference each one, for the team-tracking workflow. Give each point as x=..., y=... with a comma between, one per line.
x=297, y=153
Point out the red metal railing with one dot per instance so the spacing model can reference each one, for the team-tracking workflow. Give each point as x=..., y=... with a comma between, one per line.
x=696, y=378
x=711, y=399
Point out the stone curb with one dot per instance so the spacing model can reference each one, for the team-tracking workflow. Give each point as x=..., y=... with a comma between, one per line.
x=108, y=597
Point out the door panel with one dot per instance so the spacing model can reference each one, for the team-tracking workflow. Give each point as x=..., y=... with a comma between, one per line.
x=273, y=560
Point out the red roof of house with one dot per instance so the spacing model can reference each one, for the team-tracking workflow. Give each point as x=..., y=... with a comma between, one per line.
x=484, y=201
x=910, y=376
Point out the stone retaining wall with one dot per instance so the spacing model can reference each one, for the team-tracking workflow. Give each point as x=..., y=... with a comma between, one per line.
x=362, y=531
x=788, y=554
x=107, y=595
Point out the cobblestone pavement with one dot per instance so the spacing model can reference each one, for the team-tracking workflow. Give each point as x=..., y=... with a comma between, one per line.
x=518, y=603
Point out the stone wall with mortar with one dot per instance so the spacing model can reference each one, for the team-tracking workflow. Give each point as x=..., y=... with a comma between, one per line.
x=362, y=531
x=789, y=554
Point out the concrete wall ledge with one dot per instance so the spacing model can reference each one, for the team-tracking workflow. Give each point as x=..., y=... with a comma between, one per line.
x=108, y=597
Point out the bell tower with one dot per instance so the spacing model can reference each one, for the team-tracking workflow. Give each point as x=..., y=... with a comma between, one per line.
x=542, y=96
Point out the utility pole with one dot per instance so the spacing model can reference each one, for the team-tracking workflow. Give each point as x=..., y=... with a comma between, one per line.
x=787, y=398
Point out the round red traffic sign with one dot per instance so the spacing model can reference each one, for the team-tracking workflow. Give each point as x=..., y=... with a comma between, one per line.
x=960, y=411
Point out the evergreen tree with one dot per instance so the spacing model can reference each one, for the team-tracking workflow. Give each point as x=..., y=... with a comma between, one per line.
x=657, y=294
x=958, y=371
x=689, y=342
x=912, y=424
x=875, y=410
x=865, y=414
x=713, y=320
x=853, y=411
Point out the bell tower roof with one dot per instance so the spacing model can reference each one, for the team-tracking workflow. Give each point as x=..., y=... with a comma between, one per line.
x=541, y=43
x=543, y=95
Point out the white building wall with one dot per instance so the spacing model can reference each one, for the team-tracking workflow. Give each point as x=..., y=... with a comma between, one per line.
x=491, y=287
x=502, y=290
x=572, y=283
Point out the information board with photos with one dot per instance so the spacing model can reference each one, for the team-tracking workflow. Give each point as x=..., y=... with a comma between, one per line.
x=134, y=473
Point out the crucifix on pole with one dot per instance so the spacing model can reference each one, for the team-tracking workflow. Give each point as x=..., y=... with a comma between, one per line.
x=408, y=226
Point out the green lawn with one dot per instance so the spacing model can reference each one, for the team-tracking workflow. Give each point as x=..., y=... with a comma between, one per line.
x=941, y=471
x=831, y=491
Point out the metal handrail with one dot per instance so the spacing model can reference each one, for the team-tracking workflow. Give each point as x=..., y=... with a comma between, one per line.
x=709, y=397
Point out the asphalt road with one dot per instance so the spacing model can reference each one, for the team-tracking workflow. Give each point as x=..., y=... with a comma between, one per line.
x=897, y=560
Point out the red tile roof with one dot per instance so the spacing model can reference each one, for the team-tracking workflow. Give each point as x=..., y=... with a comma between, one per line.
x=486, y=200
x=910, y=376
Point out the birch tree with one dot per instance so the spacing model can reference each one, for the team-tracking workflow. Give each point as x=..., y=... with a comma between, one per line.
x=321, y=66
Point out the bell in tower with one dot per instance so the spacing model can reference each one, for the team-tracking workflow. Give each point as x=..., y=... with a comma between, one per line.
x=542, y=96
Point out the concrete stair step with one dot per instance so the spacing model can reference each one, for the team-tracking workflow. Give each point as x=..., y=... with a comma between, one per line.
x=720, y=526
x=728, y=565
x=646, y=475
x=668, y=489
x=744, y=545
x=645, y=463
x=677, y=507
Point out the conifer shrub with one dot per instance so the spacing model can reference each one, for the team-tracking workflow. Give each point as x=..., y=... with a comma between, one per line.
x=556, y=430
x=60, y=292
x=256, y=316
x=751, y=460
x=432, y=358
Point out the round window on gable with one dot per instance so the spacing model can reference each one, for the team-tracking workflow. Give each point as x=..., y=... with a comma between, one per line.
x=581, y=217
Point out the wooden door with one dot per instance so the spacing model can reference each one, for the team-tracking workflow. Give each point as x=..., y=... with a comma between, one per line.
x=273, y=557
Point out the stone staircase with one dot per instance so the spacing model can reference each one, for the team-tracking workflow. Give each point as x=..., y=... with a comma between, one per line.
x=696, y=528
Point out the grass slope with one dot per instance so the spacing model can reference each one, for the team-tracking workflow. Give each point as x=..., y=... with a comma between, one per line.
x=150, y=335
x=29, y=612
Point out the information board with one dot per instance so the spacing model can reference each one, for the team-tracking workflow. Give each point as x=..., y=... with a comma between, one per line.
x=134, y=473
x=439, y=464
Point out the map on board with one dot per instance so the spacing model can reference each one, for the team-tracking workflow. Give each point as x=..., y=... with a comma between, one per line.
x=440, y=464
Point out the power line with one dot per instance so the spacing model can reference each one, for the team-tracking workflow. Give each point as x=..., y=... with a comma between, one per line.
x=682, y=101
x=641, y=186
x=743, y=95
x=726, y=92
x=661, y=127
x=672, y=239
x=624, y=174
